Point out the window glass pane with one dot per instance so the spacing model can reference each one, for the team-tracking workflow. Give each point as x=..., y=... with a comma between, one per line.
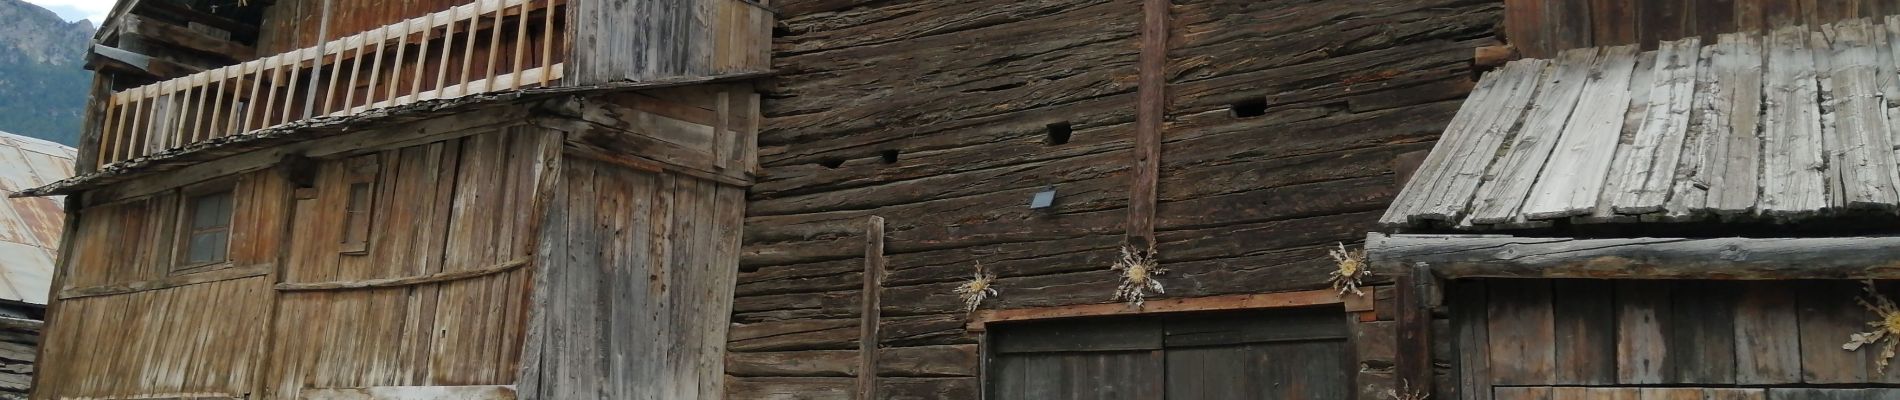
x=210, y=211
x=207, y=247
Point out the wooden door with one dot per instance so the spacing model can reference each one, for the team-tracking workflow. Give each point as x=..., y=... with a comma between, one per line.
x=1284, y=354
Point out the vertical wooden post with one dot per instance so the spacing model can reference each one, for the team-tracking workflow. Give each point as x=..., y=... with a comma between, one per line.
x=1414, y=363
x=1150, y=109
x=867, y=323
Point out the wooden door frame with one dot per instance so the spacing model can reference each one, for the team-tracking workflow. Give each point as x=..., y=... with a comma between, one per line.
x=980, y=320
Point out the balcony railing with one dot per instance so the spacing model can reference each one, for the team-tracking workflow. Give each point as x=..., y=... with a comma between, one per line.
x=485, y=46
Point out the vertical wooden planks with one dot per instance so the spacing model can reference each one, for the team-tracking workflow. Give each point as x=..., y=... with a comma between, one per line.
x=1523, y=393
x=1862, y=158
x=1471, y=326
x=1446, y=183
x=1588, y=140
x=1793, y=161
x=1585, y=333
x=1701, y=342
x=1767, y=342
x=1658, y=143
x=1731, y=142
x=1499, y=199
x=1521, y=329
x=1642, y=333
x=1827, y=316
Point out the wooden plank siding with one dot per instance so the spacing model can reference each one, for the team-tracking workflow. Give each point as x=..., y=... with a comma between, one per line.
x=1542, y=29
x=439, y=207
x=1666, y=333
x=644, y=252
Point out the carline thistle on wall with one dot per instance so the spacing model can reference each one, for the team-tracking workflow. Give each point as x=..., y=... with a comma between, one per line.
x=1886, y=327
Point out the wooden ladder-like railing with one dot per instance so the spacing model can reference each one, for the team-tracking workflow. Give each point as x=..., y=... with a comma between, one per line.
x=484, y=46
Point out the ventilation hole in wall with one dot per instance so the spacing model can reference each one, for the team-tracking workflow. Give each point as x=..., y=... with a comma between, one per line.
x=1059, y=133
x=1249, y=108
x=833, y=163
x=889, y=156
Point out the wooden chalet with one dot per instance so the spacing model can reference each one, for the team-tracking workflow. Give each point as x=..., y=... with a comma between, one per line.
x=995, y=199
x=362, y=199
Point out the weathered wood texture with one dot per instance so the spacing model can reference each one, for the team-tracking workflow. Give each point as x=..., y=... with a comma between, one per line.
x=637, y=285
x=1545, y=28
x=1753, y=127
x=1474, y=256
x=1666, y=333
x=639, y=40
x=945, y=119
x=438, y=207
x=19, y=340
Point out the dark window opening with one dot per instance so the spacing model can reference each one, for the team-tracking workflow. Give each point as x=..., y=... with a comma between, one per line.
x=1059, y=133
x=1249, y=108
x=206, y=229
x=359, y=207
x=832, y=163
x=356, y=215
x=889, y=156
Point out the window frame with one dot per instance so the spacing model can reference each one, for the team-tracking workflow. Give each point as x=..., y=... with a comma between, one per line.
x=365, y=172
x=182, y=230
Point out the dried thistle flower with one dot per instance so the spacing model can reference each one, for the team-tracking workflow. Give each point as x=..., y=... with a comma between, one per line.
x=1139, y=270
x=977, y=289
x=1886, y=328
x=1405, y=392
x=1352, y=270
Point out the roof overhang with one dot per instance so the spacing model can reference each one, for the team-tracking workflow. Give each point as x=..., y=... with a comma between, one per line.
x=1733, y=258
x=1787, y=127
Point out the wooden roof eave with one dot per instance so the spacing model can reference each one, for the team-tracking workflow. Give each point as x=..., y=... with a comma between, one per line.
x=249, y=144
x=1729, y=258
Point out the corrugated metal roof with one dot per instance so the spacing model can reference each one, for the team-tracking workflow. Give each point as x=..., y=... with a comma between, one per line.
x=30, y=226
x=1779, y=127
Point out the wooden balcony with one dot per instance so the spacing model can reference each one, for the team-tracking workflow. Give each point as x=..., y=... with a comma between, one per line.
x=481, y=47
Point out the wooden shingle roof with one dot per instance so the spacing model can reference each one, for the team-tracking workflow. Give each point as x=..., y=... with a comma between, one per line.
x=1782, y=126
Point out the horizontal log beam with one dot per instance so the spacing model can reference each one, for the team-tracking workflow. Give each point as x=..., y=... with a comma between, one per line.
x=186, y=38
x=405, y=281
x=980, y=320
x=1497, y=256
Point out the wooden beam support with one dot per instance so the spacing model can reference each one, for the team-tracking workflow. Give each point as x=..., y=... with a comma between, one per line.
x=868, y=316
x=184, y=38
x=217, y=275
x=1151, y=109
x=1497, y=256
x=404, y=281
x=183, y=12
x=128, y=61
x=1414, y=347
x=982, y=318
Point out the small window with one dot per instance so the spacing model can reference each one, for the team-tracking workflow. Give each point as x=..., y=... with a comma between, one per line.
x=359, y=207
x=205, y=229
x=356, y=218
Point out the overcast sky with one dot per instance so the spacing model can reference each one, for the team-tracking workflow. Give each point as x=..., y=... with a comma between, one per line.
x=74, y=10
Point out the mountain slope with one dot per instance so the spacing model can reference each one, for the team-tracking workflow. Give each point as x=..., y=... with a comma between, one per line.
x=42, y=80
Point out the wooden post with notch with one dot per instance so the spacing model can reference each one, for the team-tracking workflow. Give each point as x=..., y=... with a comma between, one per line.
x=1151, y=107
x=867, y=323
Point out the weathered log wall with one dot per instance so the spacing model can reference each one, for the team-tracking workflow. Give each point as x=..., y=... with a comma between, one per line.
x=1284, y=124
x=19, y=340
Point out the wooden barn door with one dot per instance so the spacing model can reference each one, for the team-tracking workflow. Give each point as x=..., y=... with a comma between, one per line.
x=1288, y=354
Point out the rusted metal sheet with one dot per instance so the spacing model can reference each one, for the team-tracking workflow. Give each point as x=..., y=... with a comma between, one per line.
x=29, y=227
